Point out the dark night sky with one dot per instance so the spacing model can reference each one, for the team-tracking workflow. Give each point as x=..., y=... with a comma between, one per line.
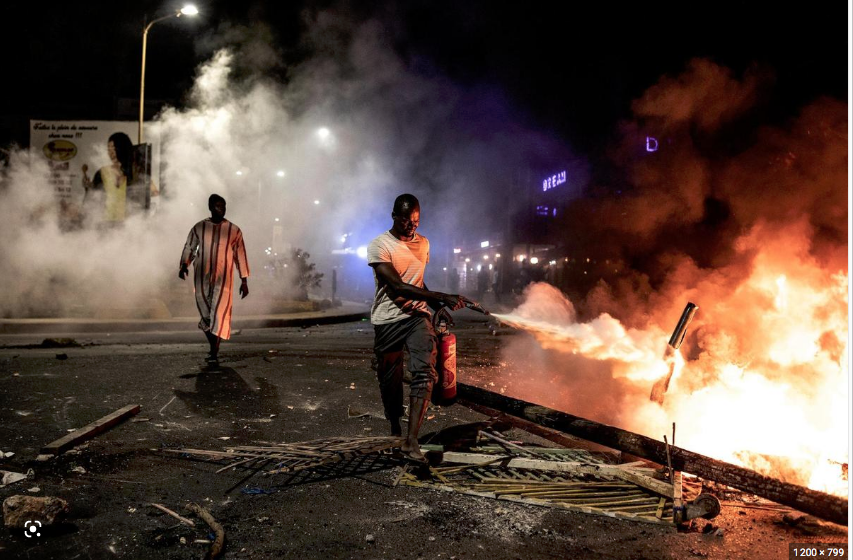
x=573, y=68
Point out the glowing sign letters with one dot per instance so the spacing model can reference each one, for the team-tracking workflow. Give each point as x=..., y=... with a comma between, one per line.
x=651, y=144
x=554, y=180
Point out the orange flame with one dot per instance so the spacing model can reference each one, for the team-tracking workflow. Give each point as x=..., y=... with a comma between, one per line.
x=766, y=383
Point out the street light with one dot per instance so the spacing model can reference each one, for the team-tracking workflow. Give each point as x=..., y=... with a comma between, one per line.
x=188, y=10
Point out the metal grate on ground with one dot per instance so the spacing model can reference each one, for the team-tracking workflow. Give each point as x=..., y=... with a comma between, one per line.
x=587, y=493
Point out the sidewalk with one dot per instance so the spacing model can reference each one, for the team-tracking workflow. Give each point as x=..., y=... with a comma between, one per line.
x=348, y=311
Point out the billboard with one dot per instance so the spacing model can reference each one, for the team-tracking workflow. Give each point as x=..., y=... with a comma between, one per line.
x=98, y=175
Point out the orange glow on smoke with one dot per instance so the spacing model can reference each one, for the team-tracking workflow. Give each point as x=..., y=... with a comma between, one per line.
x=765, y=386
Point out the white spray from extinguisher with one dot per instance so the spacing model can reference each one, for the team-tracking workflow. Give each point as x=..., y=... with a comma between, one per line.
x=444, y=392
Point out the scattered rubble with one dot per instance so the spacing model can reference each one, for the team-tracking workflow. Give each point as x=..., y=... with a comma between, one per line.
x=9, y=477
x=19, y=509
x=806, y=524
x=355, y=413
x=60, y=343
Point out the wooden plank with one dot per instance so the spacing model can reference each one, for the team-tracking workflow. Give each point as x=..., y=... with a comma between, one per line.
x=88, y=432
x=677, y=502
x=677, y=487
x=659, y=511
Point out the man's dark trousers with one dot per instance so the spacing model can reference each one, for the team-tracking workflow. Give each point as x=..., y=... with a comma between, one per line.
x=417, y=334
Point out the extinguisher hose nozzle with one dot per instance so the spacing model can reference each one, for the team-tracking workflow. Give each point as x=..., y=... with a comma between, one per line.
x=474, y=306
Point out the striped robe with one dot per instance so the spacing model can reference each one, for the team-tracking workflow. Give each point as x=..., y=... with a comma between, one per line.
x=215, y=249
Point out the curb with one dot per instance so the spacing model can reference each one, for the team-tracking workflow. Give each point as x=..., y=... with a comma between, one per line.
x=49, y=326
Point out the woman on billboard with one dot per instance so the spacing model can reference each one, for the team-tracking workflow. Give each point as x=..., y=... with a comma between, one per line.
x=110, y=181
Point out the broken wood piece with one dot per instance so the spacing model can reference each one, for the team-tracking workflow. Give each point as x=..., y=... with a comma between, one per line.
x=88, y=432
x=780, y=509
x=452, y=470
x=438, y=475
x=661, y=504
x=668, y=461
x=219, y=541
x=164, y=509
x=404, y=470
x=677, y=486
x=506, y=443
x=232, y=465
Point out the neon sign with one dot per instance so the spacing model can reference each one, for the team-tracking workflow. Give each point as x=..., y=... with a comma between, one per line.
x=651, y=144
x=554, y=180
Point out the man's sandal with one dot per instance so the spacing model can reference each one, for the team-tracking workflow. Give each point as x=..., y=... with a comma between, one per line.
x=413, y=456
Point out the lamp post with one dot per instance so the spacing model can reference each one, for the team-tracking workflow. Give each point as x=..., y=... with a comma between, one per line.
x=188, y=10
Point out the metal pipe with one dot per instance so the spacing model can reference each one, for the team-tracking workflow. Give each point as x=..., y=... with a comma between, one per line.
x=681, y=328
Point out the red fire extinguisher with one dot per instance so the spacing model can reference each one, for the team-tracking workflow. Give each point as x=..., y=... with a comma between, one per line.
x=444, y=392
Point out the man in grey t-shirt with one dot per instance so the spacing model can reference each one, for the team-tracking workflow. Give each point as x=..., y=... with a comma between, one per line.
x=401, y=319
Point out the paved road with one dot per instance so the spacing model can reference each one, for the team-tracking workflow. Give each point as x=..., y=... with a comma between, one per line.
x=273, y=385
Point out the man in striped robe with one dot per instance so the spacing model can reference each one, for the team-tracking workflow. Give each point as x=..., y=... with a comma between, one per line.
x=215, y=245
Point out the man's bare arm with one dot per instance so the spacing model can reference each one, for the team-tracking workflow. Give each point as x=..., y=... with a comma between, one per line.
x=395, y=286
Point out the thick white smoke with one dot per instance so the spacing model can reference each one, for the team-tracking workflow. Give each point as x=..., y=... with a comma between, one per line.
x=352, y=127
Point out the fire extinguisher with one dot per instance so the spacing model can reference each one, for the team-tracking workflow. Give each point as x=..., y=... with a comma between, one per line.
x=444, y=392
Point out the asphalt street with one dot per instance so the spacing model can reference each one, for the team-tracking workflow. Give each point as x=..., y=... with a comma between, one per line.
x=284, y=385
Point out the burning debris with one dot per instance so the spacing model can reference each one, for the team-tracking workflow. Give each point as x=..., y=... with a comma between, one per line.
x=779, y=373
x=588, y=487
x=825, y=506
x=574, y=479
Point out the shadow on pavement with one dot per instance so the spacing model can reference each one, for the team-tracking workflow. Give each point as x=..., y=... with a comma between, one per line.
x=221, y=391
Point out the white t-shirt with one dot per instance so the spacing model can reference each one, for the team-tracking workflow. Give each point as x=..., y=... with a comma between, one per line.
x=409, y=259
